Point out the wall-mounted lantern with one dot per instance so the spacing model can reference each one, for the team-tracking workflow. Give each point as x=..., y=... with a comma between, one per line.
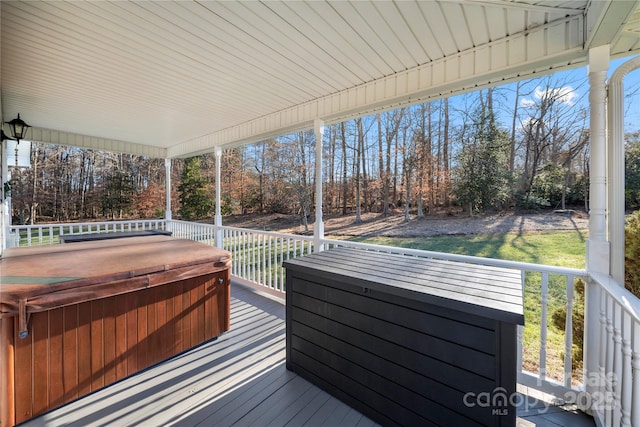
x=18, y=128
x=18, y=131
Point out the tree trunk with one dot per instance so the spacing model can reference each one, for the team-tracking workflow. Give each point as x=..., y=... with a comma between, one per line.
x=446, y=187
x=422, y=160
x=514, y=118
x=34, y=188
x=387, y=178
x=332, y=166
x=406, y=168
x=345, y=183
x=365, y=178
x=430, y=158
x=357, y=149
x=381, y=163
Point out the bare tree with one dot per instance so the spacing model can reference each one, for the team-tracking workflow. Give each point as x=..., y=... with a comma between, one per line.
x=392, y=121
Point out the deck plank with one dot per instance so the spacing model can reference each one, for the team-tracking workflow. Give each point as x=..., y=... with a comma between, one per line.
x=240, y=402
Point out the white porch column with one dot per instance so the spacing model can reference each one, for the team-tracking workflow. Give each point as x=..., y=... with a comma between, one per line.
x=218, y=219
x=318, y=226
x=167, y=186
x=597, y=244
x=616, y=168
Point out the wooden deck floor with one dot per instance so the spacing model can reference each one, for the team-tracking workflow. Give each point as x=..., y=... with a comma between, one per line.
x=239, y=379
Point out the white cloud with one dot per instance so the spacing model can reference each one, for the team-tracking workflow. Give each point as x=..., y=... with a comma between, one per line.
x=564, y=95
x=527, y=103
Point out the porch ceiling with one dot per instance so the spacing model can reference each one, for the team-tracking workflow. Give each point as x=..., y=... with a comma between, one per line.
x=173, y=79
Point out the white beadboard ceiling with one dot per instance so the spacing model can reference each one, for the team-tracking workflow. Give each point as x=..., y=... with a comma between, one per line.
x=176, y=78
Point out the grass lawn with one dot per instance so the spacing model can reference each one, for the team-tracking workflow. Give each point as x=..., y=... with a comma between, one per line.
x=562, y=248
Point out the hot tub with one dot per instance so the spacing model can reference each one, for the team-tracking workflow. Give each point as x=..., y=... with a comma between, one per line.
x=75, y=318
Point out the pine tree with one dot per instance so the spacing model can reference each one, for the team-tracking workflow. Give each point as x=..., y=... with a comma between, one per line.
x=482, y=174
x=195, y=198
x=118, y=194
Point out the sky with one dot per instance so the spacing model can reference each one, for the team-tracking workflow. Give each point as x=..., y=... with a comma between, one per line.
x=632, y=94
x=573, y=91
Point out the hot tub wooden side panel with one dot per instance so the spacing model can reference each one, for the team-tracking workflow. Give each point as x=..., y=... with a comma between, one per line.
x=74, y=350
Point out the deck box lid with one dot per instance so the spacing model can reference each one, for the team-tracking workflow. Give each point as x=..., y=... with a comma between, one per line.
x=490, y=292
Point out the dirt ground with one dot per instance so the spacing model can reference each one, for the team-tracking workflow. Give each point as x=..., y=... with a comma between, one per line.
x=373, y=224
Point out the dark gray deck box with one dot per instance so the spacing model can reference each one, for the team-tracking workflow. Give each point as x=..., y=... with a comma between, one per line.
x=406, y=340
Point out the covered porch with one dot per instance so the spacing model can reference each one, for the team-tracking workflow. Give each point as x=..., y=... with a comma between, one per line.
x=546, y=393
x=99, y=76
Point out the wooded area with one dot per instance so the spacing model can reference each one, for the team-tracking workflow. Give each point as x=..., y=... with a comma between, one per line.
x=522, y=146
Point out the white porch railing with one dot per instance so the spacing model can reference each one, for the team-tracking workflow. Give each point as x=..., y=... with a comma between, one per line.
x=204, y=233
x=258, y=256
x=615, y=388
x=48, y=234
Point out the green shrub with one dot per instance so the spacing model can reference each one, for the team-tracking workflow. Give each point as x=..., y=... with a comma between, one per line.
x=632, y=253
x=531, y=201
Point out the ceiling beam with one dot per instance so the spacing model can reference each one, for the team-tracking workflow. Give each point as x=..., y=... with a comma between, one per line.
x=522, y=6
x=50, y=136
x=606, y=20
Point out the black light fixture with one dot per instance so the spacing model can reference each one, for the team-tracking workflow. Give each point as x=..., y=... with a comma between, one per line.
x=18, y=128
x=3, y=136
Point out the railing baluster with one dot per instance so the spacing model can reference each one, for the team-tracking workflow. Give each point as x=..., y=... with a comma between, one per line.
x=602, y=361
x=543, y=326
x=520, y=329
x=253, y=257
x=240, y=250
x=617, y=362
x=568, y=335
x=234, y=248
x=238, y=255
x=282, y=278
x=635, y=368
x=263, y=261
x=627, y=376
x=257, y=246
x=269, y=263
x=276, y=264
x=609, y=360
x=246, y=272
x=246, y=268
